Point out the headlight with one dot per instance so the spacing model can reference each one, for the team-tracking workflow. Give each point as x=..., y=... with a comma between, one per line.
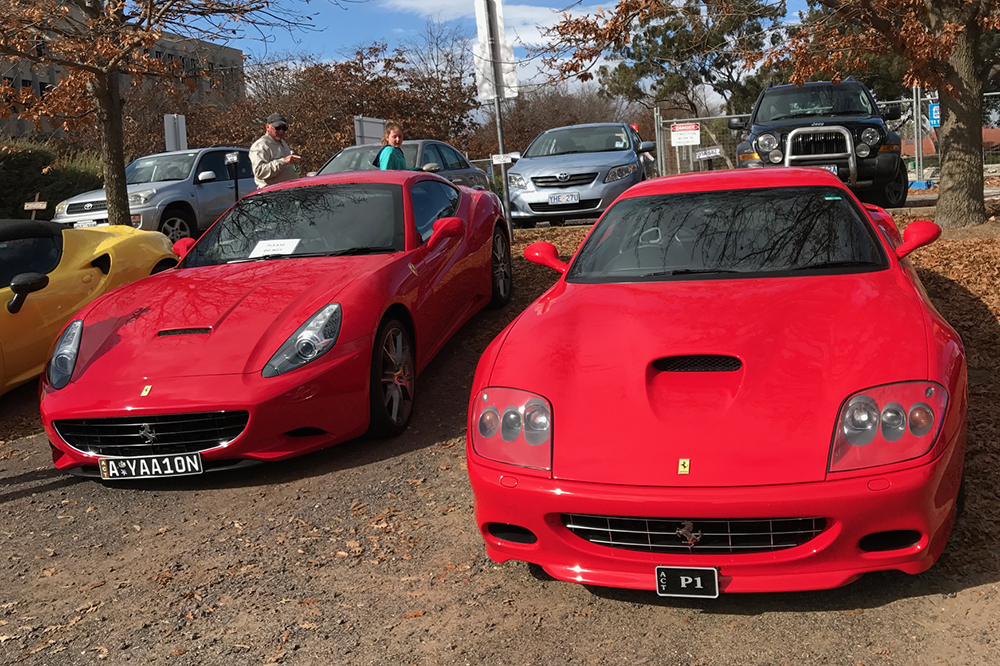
x=63, y=360
x=140, y=198
x=775, y=156
x=516, y=181
x=871, y=136
x=513, y=427
x=61, y=207
x=619, y=172
x=888, y=424
x=313, y=339
x=766, y=143
x=862, y=150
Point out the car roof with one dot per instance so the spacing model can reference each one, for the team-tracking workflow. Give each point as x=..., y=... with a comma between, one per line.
x=406, y=142
x=736, y=179
x=193, y=150
x=21, y=229
x=368, y=176
x=585, y=125
x=813, y=84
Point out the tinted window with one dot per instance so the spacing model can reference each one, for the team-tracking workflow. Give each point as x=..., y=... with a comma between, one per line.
x=432, y=201
x=767, y=231
x=453, y=159
x=814, y=100
x=27, y=255
x=214, y=161
x=245, y=168
x=321, y=220
x=430, y=155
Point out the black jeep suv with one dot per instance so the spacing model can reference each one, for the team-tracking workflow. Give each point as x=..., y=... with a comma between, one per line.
x=834, y=126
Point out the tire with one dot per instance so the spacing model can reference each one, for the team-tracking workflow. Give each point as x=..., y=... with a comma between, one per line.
x=177, y=223
x=501, y=270
x=894, y=194
x=392, y=380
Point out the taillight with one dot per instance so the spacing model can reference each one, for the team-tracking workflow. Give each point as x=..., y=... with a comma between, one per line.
x=887, y=424
x=513, y=426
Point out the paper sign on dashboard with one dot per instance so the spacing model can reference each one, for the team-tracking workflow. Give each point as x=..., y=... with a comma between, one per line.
x=268, y=247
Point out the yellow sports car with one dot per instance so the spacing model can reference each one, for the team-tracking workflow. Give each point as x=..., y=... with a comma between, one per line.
x=48, y=272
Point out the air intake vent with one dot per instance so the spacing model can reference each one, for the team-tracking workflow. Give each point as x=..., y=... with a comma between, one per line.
x=184, y=331
x=698, y=363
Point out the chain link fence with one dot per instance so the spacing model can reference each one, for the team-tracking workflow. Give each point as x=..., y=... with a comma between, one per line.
x=716, y=143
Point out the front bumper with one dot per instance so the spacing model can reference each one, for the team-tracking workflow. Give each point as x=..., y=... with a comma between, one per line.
x=321, y=404
x=533, y=202
x=142, y=217
x=921, y=499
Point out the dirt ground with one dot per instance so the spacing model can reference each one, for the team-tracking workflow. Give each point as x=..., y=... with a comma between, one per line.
x=367, y=553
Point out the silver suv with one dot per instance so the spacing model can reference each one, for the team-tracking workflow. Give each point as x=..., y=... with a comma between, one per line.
x=180, y=193
x=576, y=172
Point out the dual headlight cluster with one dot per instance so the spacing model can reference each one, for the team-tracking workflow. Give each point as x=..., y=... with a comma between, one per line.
x=514, y=427
x=769, y=146
x=888, y=424
x=310, y=341
x=517, y=182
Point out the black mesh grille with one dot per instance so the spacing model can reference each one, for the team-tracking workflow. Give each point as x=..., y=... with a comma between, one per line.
x=824, y=143
x=550, y=208
x=95, y=206
x=673, y=535
x=698, y=363
x=184, y=331
x=152, y=435
x=574, y=180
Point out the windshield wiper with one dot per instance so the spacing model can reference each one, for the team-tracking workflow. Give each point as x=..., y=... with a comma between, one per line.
x=836, y=264
x=367, y=249
x=689, y=271
x=269, y=257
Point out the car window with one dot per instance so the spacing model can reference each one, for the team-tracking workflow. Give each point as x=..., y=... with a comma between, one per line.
x=319, y=220
x=452, y=158
x=430, y=155
x=785, y=230
x=244, y=165
x=215, y=161
x=155, y=168
x=432, y=201
x=569, y=140
x=352, y=159
x=27, y=255
x=813, y=100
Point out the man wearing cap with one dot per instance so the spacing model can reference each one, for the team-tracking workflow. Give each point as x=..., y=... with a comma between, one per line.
x=272, y=159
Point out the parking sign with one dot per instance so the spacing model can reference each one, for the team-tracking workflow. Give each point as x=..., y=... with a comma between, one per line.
x=934, y=114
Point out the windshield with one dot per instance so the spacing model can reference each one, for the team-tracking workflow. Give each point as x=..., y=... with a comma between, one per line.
x=321, y=220
x=738, y=233
x=814, y=100
x=570, y=140
x=360, y=158
x=157, y=168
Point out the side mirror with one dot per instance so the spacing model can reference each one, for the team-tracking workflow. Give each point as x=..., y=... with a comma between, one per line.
x=917, y=234
x=205, y=177
x=892, y=113
x=432, y=167
x=183, y=246
x=736, y=123
x=22, y=285
x=647, y=146
x=446, y=227
x=516, y=155
x=545, y=254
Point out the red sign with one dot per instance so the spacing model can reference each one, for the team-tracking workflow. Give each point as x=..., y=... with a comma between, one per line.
x=685, y=127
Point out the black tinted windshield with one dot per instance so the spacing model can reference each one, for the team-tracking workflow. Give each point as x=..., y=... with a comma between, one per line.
x=322, y=220
x=158, y=168
x=360, y=158
x=814, y=100
x=568, y=140
x=739, y=233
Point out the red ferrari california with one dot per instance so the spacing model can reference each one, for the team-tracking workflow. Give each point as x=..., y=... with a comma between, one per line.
x=738, y=384
x=299, y=320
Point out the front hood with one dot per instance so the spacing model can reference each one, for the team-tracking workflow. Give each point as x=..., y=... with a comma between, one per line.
x=213, y=320
x=787, y=125
x=101, y=195
x=804, y=343
x=534, y=166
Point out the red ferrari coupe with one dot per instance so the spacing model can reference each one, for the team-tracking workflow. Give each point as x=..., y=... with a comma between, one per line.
x=738, y=384
x=299, y=320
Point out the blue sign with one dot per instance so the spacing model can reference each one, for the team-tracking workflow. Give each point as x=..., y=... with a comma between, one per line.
x=935, y=115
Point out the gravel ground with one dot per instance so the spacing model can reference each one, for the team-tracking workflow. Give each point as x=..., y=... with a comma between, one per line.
x=366, y=553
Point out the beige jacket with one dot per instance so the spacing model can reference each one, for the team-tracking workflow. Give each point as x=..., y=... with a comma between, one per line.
x=267, y=156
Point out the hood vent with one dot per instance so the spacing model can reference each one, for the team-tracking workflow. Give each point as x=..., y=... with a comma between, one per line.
x=184, y=331
x=698, y=363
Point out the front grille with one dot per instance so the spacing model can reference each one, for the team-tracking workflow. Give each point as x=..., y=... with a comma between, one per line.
x=574, y=180
x=95, y=206
x=714, y=536
x=585, y=204
x=822, y=143
x=152, y=435
x=698, y=363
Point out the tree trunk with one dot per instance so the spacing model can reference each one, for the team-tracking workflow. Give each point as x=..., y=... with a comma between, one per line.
x=106, y=89
x=960, y=202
